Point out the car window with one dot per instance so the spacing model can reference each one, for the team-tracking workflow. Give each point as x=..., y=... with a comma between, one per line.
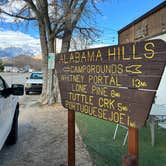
x=36, y=76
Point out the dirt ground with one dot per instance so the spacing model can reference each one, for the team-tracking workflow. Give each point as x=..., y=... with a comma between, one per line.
x=42, y=137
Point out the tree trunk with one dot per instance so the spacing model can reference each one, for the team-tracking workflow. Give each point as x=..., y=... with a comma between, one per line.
x=44, y=49
x=66, y=41
x=52, y=86
x=49, y=88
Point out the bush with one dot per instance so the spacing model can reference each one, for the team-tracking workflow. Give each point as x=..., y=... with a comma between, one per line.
x=1, y=66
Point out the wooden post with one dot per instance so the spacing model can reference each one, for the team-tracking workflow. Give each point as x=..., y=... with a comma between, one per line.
x=71, y=138
x=133, y=141
x=131, y=159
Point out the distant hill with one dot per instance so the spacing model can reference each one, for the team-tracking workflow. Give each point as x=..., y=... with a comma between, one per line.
x=14, y=51
x=23, y=60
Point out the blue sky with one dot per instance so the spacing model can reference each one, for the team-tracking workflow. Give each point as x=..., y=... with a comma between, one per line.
x=119, y=13
x=115, y=15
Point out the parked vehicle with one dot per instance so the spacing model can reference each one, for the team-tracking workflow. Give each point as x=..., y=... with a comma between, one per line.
x=9, y=111
x=34, y=83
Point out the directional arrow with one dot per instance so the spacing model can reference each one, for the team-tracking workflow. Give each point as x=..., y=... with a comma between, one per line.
x=134, y=69
x=66, y=69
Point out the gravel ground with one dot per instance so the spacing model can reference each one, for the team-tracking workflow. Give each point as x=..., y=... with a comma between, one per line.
x=42, y=137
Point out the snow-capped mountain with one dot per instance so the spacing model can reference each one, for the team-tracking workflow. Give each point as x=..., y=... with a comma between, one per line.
x=14, y=43
x=14, y=51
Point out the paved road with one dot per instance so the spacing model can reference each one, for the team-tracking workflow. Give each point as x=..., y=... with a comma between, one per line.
x=15, y=78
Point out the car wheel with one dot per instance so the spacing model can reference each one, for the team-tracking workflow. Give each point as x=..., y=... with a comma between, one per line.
x=27, y=92
x=13, y=135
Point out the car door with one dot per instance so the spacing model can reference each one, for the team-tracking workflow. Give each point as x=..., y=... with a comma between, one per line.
x=5, y=114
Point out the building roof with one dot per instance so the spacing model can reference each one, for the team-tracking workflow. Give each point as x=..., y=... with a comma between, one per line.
x=9, y=65
x=160, y=6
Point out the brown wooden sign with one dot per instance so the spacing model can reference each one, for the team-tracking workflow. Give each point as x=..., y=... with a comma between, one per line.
x=116, y=83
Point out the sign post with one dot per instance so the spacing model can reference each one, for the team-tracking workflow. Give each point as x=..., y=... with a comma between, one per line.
x=71, y=138
x=131, y=159
x=114, y=83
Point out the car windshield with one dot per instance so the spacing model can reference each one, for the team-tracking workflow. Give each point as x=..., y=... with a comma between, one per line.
x=36, y=76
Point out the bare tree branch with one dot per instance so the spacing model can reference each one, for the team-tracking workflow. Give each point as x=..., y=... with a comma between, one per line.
x=17, y=16
x=33, y=7
x=79, y=12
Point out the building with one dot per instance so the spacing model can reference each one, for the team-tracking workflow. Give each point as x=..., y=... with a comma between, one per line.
x=151, y=25
x=10, y=68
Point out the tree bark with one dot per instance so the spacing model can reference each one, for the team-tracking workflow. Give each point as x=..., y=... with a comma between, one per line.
x=66, y=41
x=52, y=86
x=44, y=49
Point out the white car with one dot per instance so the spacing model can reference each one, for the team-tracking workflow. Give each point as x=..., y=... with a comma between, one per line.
x=34, y=82
x=9, y=111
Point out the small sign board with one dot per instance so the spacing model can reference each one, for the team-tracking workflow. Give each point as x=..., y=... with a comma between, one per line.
x=51, y=61
x=115, y=83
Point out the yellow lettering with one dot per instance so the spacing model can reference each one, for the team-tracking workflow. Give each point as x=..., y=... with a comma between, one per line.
x=150, y=51
x=134, y=54
x=123, y=55
x=106, y=103
x=120, y=68
x=91, y=56
x=104, y=114
x=119, y=106
x=121, y=120
x=100, y=113
x=114, y=94
x=79, y=88
x=116, y=117
x=77, y=97
x=98, y=56
x=83, y=57
x=71, y=57
x=102, y=91
x=112, y=53
x=114, y=81
x=77, y=57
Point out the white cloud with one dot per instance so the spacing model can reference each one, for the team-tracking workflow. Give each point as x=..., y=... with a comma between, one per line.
x=19, y=39
x=98, y=45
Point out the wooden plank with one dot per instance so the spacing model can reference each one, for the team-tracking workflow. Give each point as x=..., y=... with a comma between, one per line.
x=127, y=95
x=159, y=58
x=133, y=117
x=71, y=138
x=112, y=83
x=134, y=68
x=136, y=82
x=123, y=106
x=141, y=51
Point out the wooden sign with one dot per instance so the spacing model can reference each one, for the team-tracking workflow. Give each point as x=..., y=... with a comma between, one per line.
x=116, y=83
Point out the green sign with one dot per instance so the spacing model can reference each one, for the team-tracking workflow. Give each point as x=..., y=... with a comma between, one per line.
x=51, y=60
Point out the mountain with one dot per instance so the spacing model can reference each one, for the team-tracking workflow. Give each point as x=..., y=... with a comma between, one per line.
x=24, y=60
x=10, y=52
